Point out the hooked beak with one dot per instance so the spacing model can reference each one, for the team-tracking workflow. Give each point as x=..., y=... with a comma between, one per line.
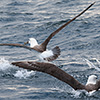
x=26, y=42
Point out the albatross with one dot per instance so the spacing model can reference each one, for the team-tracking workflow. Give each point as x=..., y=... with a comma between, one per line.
x=92, y=84
x=44, y=54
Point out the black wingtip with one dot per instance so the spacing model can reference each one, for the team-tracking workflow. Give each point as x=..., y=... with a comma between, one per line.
x=92, y=4
x=56, y=50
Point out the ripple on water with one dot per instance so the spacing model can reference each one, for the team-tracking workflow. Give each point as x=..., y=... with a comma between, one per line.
x=22, y=19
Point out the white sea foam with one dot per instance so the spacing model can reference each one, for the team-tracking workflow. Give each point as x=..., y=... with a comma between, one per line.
x=82, y=93
x=23, y=73
x=20, y=73
x=77, y=94
x=4, y=64
x=91, y=65
x=29, y=1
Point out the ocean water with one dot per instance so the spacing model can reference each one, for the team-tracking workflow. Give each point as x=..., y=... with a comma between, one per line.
x=79, y=43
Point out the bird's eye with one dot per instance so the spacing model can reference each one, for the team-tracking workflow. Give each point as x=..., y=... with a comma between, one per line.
x=96, y=77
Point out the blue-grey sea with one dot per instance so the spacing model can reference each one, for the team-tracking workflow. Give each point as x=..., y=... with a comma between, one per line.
x=79, y=43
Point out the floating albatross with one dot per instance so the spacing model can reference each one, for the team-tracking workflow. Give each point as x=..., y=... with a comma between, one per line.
x=92, y=84
x=45, y=54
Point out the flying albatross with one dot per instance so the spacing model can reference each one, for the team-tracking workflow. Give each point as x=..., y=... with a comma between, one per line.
x=92, y=84
x=44, y=54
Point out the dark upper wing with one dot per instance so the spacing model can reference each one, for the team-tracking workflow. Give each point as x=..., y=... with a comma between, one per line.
x=16, y=45
x=44, y=44
x=52, y=70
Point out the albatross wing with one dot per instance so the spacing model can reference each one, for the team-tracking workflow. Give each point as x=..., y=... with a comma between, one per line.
x=58, y=73
x=42, y=47
x=56, y=52
x=16, y=45
x=51, y=69
x=44, y=44
x=50, y=55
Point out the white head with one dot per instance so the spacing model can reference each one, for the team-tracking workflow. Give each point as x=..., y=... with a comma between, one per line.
x=32, y=42
x=92, y=79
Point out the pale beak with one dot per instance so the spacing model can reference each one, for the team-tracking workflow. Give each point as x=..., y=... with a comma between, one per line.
x=26, y=42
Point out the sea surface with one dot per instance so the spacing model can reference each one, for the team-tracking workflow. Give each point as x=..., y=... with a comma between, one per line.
x=79, y=43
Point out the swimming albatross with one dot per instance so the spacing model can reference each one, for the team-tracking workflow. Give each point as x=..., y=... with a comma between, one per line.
x=45, y=54
x=92, y=84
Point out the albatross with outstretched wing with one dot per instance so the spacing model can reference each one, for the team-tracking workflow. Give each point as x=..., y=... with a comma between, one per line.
x=48, y=55
x=51, y=69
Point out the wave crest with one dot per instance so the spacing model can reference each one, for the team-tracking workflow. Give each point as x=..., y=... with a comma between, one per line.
x=17, y=72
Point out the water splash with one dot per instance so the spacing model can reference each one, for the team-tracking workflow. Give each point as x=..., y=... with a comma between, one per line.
x=98, y=62
x=82, y=93
x=23, y=73
x=20, y=73
x=4, y=64
x=91, y=65
x=78, y=93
